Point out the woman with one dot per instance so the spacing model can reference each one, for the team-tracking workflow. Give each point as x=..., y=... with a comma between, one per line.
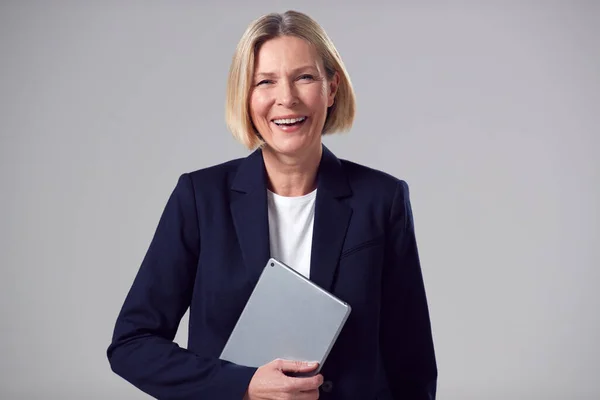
x=345, y=226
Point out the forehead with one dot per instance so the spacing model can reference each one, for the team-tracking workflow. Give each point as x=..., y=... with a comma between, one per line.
x=286, y=51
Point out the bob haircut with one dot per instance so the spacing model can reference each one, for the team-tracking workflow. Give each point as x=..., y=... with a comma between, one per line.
x=340, y=115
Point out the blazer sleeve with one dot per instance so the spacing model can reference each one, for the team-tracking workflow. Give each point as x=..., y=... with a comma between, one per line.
x=406, y=338
x=142, y=350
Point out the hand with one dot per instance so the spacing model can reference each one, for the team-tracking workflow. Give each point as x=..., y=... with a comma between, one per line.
x=271, y=383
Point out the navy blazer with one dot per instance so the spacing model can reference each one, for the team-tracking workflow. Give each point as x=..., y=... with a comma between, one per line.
x=209, y=248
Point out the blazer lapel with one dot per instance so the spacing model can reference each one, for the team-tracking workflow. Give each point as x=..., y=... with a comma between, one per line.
x=250, y=215
x=332, y=217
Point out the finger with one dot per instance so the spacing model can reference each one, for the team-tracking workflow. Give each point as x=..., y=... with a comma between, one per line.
x=308, y=395
x=295, y=366
x=305, y=384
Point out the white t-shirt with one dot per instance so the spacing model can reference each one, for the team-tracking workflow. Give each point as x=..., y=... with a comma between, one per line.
x=291, y=221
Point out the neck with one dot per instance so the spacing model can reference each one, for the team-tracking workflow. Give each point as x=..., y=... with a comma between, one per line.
x=292, y=176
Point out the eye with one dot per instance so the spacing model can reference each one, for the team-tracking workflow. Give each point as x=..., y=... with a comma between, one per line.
x=307, y=77
x=264, y=81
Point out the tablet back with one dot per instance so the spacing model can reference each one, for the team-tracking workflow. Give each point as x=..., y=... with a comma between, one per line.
x=287, y=316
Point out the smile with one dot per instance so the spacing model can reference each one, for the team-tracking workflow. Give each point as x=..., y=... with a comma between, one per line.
x=289, y=121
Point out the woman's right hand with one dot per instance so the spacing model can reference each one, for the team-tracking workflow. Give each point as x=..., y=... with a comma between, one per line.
x=271, y=383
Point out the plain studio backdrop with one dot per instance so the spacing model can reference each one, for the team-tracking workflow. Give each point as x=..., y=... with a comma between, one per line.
x=489, y=110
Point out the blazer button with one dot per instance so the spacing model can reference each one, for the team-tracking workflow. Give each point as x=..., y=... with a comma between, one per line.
x=327, y=386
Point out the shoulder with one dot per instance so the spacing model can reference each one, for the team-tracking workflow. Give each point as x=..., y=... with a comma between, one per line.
x=384, y=192
x=210, y=183
x=364, y=178
x=214, y=175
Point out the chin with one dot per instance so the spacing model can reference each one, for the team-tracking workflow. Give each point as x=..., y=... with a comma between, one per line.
x=292, y=146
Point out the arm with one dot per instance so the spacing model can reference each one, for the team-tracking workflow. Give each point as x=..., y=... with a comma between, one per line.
x=142, y=349
x=406, y=338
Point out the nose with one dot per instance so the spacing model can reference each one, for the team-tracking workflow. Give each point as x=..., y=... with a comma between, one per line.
x=286, y=94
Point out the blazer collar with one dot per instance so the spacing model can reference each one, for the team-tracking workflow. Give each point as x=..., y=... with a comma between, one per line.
x=331, y=178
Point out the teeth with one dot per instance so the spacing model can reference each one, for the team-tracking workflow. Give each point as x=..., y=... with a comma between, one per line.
x=289, y=121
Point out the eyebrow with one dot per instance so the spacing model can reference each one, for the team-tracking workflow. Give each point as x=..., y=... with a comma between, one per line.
x=294, y=71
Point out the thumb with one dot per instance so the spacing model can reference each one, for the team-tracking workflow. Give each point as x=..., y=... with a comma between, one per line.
x=296, y=366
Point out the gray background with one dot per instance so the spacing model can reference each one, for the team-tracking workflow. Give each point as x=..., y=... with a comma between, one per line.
x=490, y=111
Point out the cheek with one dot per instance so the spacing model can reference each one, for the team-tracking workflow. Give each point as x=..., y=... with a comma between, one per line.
x=259, y=105
x=316, y=98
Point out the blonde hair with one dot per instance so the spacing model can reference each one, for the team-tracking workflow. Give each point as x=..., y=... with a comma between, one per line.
x=340, y=115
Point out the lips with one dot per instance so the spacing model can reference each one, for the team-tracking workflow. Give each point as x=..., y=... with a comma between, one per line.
x=288, y=120
x=289, y=124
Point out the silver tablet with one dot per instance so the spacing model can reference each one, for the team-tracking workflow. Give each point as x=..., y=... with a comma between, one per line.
x=287, y=316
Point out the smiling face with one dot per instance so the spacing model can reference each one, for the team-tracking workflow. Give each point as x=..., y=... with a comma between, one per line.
x=290, y=96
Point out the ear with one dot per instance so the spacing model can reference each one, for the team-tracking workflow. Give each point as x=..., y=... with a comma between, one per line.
x=332, y=88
